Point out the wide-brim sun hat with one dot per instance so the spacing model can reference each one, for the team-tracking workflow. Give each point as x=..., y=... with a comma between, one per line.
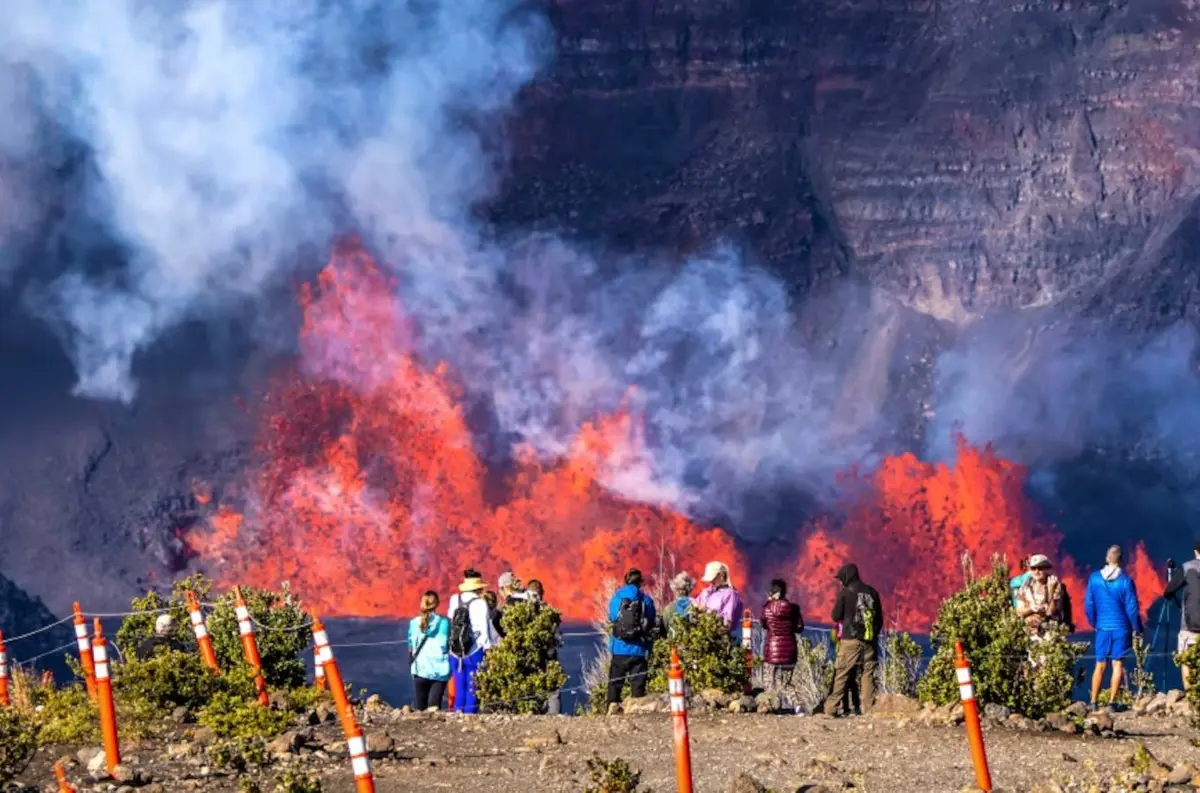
x=472, y=585
x=712, y=570
x=1040, y=562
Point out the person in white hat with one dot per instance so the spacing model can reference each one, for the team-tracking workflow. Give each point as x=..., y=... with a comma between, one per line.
x=1039, y=599
x=719, y=595
x=471, y=635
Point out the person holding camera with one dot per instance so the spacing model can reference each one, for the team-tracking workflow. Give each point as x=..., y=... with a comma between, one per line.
x=1186, y=579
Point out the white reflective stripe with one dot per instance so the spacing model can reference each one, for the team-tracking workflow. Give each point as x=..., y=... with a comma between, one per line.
x=245, y=628
x=964, y=675
x=357, y=745
x=966, y=691
x=678, y=705
x=320, y=638
x=675, y=686
x=320, y=671
x=81, y=631
x=102, y=671
x=201, y=632
x=361, y=766
x=84, y=645
x=324, y=655
x=197, y=618
x=243, y=613
x=100, y=654
x=3, y=658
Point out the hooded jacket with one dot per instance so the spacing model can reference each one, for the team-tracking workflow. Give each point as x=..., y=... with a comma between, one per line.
x=1111, y=602
x=845, y=605
x=1187, y=578
x=781, y=617
x=620, y=646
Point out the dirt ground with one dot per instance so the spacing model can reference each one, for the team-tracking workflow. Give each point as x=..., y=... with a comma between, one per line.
x=784, y=753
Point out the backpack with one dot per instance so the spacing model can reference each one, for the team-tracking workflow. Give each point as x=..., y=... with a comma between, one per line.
x=1066, y=614
x=631, y=624
x=863, y=620
x=462, y=637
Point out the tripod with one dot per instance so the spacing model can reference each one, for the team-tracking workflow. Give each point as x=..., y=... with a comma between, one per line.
x=1163, y=621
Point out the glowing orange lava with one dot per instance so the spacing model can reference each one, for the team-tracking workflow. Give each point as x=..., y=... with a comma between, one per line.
x=370, y=490
x=909, y=523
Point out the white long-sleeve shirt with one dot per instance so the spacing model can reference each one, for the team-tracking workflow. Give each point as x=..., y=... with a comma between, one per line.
x=481, y=622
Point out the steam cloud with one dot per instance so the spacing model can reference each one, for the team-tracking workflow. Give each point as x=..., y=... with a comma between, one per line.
x=225, y=139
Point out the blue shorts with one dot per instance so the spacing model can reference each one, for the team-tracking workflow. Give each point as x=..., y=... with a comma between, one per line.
x=1113, y=645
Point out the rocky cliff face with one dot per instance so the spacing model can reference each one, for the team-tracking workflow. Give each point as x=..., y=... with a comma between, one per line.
x=961, y=156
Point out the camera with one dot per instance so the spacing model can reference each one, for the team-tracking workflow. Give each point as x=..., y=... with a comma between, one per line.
x=1171, y=564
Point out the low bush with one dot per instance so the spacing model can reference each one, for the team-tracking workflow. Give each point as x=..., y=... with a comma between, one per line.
x=238, y=754
x=612, y=776
x=18, y=742
x=229, y=715
x=519, y=676
x=710, y=658
x=293, y=780
x=1008, y=667
x=1191, y=659
x=900, y=665
x=66, y=715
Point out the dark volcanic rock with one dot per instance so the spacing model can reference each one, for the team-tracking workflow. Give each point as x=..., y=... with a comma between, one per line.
x=21, y=614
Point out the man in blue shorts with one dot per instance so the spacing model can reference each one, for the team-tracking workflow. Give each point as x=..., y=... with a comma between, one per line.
x=1112, y=609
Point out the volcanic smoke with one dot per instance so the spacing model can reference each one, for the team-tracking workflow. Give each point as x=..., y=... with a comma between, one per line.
x=369, y=490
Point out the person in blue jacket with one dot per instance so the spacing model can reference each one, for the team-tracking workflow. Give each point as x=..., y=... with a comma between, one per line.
x=1112, y=609
x=631, y=612
x=429, y=654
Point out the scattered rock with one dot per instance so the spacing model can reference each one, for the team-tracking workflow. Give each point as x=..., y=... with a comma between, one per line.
x=1099, y=723
x=290, y=741
x=647, y=704
x=996, y=711
x=744, y=783
x=895, y=704
x=380, y=744
x=96, y=766
x=85, y=755
x=553, y=738
x=203, y=736
x=743, y=704
x=1078, y=710
x=375, y=704
x=181, y=715
x=767, y=702
x=1143, y=762
x=715, y=697
x=122, y=773
x=1181, y=774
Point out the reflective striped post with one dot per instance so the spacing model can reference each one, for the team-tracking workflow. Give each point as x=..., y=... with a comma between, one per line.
x=363, y=781
x=3, y=673
x=966, y=692
x=85, y=651
x=318, y=671
x=207, y=654
x=104, y=698
x=679, y=722
x=250, y=647
x=333, y=676
x=63, y=785
x=748, y=646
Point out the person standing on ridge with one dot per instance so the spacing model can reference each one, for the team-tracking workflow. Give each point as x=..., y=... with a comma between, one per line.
x=681, y=587
x=1039, y=599
x=860, y=611
x=782, y=620
x=631, y=612
x=720, y=596
x=1186, y=578
x=471, y=636
x=535, y=596
x=1111, y=605
x=429, y=654
x=1016, y=581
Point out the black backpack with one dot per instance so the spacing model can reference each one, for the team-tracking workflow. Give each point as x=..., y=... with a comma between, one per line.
x=462, y=637
x=631, y=624
x=1066, y=614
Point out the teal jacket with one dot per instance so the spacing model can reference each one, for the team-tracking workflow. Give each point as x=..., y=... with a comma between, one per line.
x=433, y=661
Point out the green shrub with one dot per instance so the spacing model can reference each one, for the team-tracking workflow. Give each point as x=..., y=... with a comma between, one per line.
x=66, y=715
x=168, y=680
x=518, y=677
x=710, y=658
x=293, y=780
x=18, y=742
x=231, y=716
x=900, y=666
x=279, y=627
x=612, y=776
x=238, y=754
x=1030, y=677
x=1191, y=659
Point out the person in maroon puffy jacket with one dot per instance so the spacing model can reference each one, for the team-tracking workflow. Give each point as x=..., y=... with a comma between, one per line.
x=782, y=620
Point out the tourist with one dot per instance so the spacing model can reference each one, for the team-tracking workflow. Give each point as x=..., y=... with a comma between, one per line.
x=162, y=639
x=782, y=620
x=631, y=612
x=1016, y=581
x=858, y=608
x=681, y=587
x=719, y=595
x=471, y=636
x=429, y=654
x=1039, y=599
x=1187, y=579
x=535, y=595
x=1111, y=605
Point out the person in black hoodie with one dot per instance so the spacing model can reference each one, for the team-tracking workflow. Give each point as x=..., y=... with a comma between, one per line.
x=1187, y=580
x=860, y=611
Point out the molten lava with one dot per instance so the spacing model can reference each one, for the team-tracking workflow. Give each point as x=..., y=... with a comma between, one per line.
x=909, y=525
x=368, y=491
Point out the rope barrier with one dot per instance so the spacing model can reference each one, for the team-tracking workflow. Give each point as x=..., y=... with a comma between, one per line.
x=42, y=629
x=68, y=646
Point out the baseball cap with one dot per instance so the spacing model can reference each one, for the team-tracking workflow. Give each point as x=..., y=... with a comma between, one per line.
x=714, y=569
x=1040, y=562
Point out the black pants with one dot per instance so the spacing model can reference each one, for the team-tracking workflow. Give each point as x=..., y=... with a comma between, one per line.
x=428, y=693
x=631, y=668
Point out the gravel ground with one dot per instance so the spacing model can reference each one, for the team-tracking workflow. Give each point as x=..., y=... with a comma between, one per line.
x=783, y=753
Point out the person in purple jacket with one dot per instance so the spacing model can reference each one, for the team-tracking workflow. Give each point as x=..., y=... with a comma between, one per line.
x=720, y=596
x=1112, y=609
